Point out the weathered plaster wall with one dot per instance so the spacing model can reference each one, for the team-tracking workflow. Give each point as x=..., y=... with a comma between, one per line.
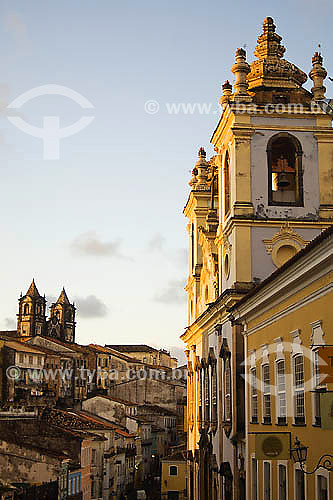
x=259, y=169
x=19, y=464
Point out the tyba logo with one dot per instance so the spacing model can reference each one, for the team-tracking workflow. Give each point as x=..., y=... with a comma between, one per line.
x=51, y=133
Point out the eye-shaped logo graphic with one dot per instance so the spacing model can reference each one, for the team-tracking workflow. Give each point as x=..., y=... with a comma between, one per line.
x=51, y=133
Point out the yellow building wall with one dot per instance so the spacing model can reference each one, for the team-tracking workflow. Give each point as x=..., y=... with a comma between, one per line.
x=318, y=440
x=173, y=483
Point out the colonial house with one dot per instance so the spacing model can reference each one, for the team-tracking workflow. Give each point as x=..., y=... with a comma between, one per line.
x=287, y=326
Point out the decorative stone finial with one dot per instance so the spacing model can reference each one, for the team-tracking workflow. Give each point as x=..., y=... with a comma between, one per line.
x=194, y=179
x=270, y=70
x=199, y=173
x=227, y=93
x=202, y=153
x=269, y=43
x=318, y=75
x=241, y=69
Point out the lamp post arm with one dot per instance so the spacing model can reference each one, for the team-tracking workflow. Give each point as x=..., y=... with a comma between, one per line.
x=325, y=461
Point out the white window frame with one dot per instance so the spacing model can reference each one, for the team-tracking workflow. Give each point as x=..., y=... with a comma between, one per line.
x=254, y=394
x=173, y=475
x=278, y=391
x=285, y=464
x=326, y=475
x=266, y=391
x=257, y=478
x=270, y=479
x=300, y=390
x=297, y=467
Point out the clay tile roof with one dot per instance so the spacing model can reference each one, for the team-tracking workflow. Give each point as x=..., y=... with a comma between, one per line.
x=133, y=348
x=158, y=409
x=18, y=346
x=117, y=400
x=124, y=433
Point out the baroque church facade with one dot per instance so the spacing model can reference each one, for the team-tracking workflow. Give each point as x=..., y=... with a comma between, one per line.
x=266, y=192
x=32, y=320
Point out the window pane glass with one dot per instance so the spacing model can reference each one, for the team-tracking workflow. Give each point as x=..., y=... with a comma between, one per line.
x=282, y=482
x=254, y=479
x=267, y=481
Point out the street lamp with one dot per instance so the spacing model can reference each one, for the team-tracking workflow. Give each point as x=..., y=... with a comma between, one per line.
x=299, y=454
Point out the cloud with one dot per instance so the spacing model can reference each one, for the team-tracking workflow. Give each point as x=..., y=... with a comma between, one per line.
x=14, y=24
x=89, y=244
x=90, y=307
x=172, y=294
x=177, y=256
x=10, y=324
x=157, y=243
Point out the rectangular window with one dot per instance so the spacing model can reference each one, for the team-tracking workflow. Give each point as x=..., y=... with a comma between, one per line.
x=300, y=485
x=322, y=488
x=316, y=383
x=281, y=392
x=21, y=358
x=282, y=482
x=173, y=470
x=299, y=403
x=31, y=360
x=254, y=479
x=207, y=399
x=254, y=396
x=200, y=381
x=214, y=393
x=266, y=394
x=267, y=481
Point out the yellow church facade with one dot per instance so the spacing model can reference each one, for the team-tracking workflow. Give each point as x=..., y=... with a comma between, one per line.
x=261, y=198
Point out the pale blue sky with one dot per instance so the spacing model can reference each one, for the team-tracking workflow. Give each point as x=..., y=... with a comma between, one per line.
x=105, y=220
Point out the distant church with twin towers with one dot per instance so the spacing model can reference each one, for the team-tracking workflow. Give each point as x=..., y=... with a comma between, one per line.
x=32, y=319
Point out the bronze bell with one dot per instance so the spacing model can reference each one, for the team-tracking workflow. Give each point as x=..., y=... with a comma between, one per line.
x=283, y=180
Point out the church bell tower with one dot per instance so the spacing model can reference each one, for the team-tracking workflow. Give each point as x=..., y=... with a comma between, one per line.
x=61, y=324
x=31, y=319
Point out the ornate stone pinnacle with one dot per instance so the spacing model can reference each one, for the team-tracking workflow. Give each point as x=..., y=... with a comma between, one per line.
x=226, y=86
x=194, y=179
x=241, y=69
x=227, y=92
x=202, y=153
x=200, y=171
x=270, y=70
x=318, y=75
x=269, y=43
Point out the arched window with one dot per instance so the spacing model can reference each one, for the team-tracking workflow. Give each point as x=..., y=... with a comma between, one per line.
x=285, y=178
x=26, y=309
x=226, y=180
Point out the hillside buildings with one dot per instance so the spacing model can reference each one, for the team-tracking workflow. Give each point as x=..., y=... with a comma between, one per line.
x=87, y=421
